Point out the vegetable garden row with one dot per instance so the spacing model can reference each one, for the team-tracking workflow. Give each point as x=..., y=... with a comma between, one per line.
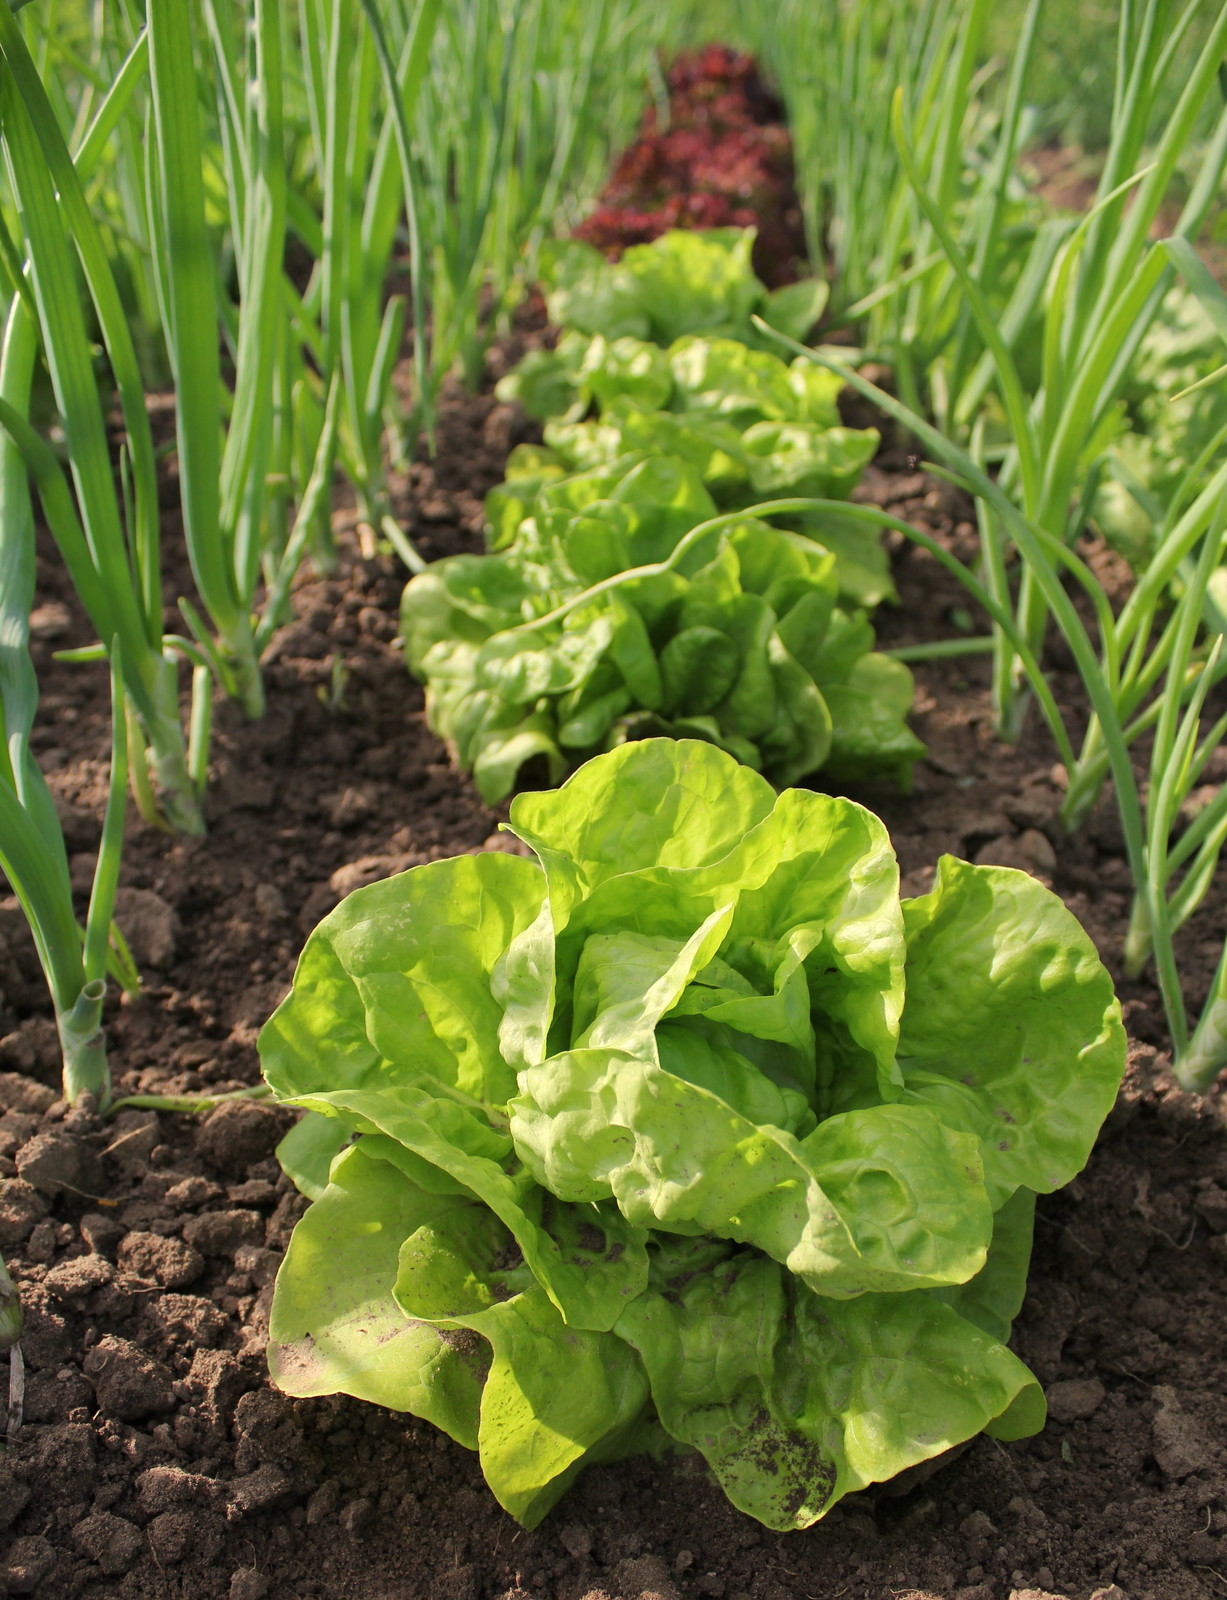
x=665, y=1174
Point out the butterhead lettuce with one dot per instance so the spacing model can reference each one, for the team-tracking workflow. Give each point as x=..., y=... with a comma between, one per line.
x=752, y=426
x=574, y=639
x=687, y=281
x=685, y=1131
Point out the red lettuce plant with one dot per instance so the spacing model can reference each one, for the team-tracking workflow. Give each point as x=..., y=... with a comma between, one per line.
x=725, y=160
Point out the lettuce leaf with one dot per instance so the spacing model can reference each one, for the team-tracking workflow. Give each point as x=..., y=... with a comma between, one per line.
x=335, y=1326
x=1002, y=976
x=796, y=1400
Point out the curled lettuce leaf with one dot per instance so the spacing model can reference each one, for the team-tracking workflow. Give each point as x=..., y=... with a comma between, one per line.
x=1000, y=977
x=307, y=1152
x=540, y=1420
x=335, y=1326
x=377, y=992
x=796, y=1400
x=686, y=1131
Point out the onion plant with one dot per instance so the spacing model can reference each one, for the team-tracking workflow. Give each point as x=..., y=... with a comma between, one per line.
x=91, y=57
x=410, y=180
x=252, y=442
x=1183, y=864
x=1141, y=671
x=108, y=534
x=487, y=184
x=235, y=441
x=223, y=488
x=837, y=66
x=362, y=82
x=559, y=84
x=32, y=850
x=1095, y=297
x=276, y=418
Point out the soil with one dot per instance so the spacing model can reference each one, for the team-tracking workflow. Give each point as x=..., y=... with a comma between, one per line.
x=157, y=1462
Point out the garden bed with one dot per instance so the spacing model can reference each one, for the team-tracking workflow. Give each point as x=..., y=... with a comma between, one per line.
x=157, y=1461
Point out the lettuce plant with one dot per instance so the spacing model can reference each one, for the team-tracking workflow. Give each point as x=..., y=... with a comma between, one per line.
x=684, y=282
x=753, y=425
x=626, y=607
x=686, y=1132
x=1165, y=429
x=722, y=158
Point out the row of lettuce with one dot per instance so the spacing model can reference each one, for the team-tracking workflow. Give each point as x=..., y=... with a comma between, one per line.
x=638, y=582
x=687, y=1133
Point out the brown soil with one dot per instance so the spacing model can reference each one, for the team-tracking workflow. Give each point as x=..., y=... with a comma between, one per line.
x=157, y=1462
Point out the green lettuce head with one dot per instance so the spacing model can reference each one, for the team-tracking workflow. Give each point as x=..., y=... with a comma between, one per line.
x=686, y=281
x=626, y=608
x=686, y=1132
x=750, y=426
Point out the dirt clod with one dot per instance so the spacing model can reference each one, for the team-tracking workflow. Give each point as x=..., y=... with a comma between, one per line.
x=576, y=1540
x=112, y=1543
x=355, y=1516
x=27, y=1563
x=642, y=1578
x=237, y=1135
x=171, y=1262
x=218, y=1380
x=163, y=1488
x=102, y=1233
x=56, y=1163
x=33, y=1056
x=1075, y=1398
x=14, y=1497
x=174, y=1535
x=1181, y=1446
x=150, y=926
x=257, y=1490
x=79, y=1276
x=248, y=1584
x=54, y=1396
x=21, y=1206
x=129, y=1383
x=221, y=1233
x=1028, y=851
